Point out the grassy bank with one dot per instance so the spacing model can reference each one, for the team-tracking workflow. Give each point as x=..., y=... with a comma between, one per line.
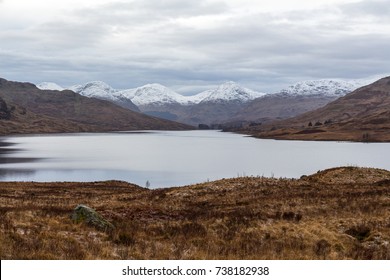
x=341, y=213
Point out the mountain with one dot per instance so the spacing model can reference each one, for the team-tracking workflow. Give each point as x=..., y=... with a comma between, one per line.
x=226, y=104
x=328, y=88
x=50, y=86
x=213, y=106
x=362, y=115
x=96, y=89
x=159, y=95
x=296, y=99
x=216, y=105
x=27, y=109
x=279, y=106
x=101, y=90
x=229, y=92
x=154, y=95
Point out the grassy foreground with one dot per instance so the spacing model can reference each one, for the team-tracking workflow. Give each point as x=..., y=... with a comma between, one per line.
x=340, y=213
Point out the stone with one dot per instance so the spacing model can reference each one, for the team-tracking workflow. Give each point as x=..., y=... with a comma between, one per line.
x=83, y=213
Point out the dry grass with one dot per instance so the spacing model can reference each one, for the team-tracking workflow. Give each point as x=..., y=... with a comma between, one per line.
x=341, y=213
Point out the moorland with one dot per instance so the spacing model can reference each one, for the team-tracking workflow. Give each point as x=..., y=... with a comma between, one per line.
x=339, y=213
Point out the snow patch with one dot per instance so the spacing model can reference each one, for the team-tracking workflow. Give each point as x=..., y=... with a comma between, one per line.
x=331, y=88
x=49, y=86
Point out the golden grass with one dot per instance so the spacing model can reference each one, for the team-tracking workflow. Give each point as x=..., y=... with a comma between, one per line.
x=341, y=213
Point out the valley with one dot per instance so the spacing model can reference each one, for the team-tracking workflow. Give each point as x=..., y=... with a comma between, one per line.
x=335, y=214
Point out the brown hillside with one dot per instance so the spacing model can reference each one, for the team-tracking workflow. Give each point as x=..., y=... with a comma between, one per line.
x=277, y=106
x=340, y=213
x=363, y=115
x=33, y=110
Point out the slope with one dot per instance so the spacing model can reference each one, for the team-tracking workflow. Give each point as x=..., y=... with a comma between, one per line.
x=363, y=115
x=297, y=99
x=33, y=110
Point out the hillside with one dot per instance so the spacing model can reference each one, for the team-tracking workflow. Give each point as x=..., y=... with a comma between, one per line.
x=280, y=106
x=362, y=115
x=340, y=213
x=31, y=110
x=296, y=99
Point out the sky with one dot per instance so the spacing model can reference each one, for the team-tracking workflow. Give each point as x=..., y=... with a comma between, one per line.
x=192, y=46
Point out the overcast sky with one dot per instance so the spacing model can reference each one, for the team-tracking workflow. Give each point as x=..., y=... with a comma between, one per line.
x=193, y=45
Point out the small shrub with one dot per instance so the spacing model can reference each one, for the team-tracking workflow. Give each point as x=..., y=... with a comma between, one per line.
x=193, y=229
x=360, y=232
x=125, y=239
x=322, y=248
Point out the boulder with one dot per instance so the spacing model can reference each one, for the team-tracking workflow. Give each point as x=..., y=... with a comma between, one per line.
x=83, y=213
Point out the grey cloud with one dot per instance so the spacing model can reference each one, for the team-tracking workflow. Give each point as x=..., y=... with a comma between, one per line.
x=179, y=8
x=262, y=51
x=138, y=12
x=63, y=35
x=375, y=8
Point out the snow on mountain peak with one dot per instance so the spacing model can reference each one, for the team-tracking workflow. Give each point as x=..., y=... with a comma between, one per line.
x=156, y=94
x=96, y=89
x=230, y=91
x=323, y=87
x=49, y=86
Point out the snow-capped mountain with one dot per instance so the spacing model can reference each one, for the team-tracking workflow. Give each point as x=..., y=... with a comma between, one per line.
x=226, y=102
x=159, y=95
x=197, y=98
x=297, y=99
x=155, y=94
x=97, y=89
x=49, y=86
x=330, y=88
x=228, y=92
x=101, y=90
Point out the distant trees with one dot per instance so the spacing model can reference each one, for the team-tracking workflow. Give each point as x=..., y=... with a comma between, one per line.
x=319, y=123
x=365, y=137
x=203, y=126
x=328, y=121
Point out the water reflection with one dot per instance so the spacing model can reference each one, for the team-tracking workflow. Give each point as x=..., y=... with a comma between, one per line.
x=169, y=158
x=8, y=152
x=16, y=173
x=4, y=147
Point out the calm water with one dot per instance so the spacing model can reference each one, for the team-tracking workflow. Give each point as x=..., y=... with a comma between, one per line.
x=174, y=158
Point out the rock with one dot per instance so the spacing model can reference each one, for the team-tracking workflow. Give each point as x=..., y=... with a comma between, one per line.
x=83, y=213
x=5, y=113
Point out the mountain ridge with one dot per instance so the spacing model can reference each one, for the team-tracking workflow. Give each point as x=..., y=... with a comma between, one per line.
x=226, y=103
x=225, y=91
x=362, y=115
x=33, y=110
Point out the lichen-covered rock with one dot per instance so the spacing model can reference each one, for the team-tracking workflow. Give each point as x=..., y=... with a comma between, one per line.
x=83, y=213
